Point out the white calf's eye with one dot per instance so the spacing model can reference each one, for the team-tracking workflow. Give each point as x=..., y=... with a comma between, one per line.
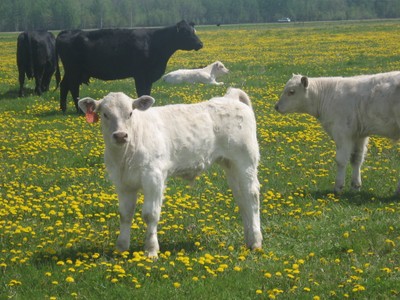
x=105, y=115
x=291, y=92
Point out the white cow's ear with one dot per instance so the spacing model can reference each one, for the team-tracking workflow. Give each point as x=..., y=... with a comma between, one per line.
x=88, y=104
x=304, y=81
x=143, y=103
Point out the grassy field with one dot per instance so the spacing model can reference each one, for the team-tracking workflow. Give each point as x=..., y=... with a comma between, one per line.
x=58, y=211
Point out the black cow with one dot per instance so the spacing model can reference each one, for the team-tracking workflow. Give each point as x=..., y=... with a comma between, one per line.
x=36, y=58
x=110, y=54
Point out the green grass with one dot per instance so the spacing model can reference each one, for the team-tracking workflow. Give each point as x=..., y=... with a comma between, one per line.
x=58, y=211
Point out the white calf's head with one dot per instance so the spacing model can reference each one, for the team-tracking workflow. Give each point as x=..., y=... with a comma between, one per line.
x=219, y=68
x=116, y=113
x=294, y=96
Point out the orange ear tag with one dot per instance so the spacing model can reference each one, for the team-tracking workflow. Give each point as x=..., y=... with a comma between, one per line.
x=91, y=116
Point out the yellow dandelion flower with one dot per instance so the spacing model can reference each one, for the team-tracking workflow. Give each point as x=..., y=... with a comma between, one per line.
x=390, y=243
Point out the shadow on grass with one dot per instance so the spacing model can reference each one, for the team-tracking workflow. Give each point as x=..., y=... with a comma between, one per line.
x=13, y=94
x=358, y=198
x=54, y=113
x=86, y=252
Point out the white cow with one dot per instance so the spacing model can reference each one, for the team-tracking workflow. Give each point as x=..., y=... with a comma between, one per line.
x=350, y=109
x=206, y=75
x=144, y=146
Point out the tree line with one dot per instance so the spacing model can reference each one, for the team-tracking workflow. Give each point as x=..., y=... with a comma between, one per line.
x=20, y=15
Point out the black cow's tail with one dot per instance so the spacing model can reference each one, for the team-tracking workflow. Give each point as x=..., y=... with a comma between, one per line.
x=58, y=76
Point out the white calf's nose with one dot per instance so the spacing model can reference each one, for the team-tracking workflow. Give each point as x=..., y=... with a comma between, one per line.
x=120, y=137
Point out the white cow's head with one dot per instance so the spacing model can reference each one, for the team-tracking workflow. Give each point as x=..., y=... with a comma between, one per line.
x=294, y=96
x=219, y=68
x=116, y=113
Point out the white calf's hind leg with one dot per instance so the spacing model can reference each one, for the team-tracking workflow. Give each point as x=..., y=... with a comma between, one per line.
x=343, y=152
x=356, y=160
x=127, y=204
x=245, y=188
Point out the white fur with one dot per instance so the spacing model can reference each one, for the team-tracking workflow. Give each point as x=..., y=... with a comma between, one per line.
x=350, y=109
x=144, y=146
x=207, y=75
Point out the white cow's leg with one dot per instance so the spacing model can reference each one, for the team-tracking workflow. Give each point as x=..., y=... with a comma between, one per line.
x=246, y=189
x=127, y=204
x=153, y=193
x=343, y=152
x=356, y=160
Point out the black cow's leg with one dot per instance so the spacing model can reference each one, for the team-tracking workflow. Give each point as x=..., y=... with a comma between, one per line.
x=75, y=96
x=21, y=83
x=143, y=87
x=38, y=81
x=38, y=89
x=46, y=80
x=64, y=88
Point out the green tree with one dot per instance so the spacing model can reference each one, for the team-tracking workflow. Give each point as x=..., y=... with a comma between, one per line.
x=17, y=15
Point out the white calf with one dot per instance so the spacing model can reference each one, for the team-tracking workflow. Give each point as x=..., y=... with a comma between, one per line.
x=206, y=75
x=350, y=110
x=144, y=146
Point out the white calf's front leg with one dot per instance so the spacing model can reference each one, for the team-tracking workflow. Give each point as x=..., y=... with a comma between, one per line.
x=127, y=204
x=216, y=83
x=356, y=160
x=153, y=193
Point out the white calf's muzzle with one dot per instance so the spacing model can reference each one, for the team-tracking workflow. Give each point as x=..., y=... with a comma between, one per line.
x=120, y=137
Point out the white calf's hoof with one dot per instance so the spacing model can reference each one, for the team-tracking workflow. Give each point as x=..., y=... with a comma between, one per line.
x=122, y=245
x=152, y=255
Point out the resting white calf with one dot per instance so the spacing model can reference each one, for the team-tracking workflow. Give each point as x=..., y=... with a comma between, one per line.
x=349, y=109
x=206, y=75
x=144, y=146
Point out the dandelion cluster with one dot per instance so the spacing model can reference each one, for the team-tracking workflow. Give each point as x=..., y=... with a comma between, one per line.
x=59, y=213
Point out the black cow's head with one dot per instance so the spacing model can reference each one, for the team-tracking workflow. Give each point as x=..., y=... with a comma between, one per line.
x=187, y=38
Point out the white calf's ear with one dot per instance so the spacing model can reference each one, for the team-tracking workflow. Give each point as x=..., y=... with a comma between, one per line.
x=143, y=102
x=87, y=104
x=304, y=81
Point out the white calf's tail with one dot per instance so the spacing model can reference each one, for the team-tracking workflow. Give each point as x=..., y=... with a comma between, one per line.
x=238, y=94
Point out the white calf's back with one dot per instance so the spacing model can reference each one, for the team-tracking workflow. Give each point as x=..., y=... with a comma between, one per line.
x=370, y=104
